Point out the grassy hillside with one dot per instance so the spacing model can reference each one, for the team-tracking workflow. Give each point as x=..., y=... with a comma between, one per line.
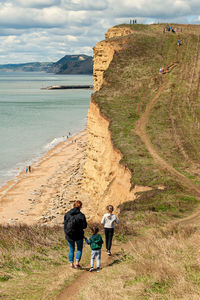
x=155, y=123
x=69, y=64
x=73, y=64
x=30, y=258
x=34, y=262
x=172, y=126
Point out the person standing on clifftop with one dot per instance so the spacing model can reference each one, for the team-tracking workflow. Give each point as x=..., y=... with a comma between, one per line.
x=74, y=224
x=108, y=221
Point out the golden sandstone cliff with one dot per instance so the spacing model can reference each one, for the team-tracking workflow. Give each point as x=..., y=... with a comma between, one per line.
x=106, y=181
x=103, y=54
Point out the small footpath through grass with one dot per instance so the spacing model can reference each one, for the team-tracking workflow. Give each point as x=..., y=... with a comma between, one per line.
x=33, y=262
x=158, y=258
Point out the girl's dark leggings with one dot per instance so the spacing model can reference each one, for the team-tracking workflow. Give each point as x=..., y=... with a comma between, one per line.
x=109, y=235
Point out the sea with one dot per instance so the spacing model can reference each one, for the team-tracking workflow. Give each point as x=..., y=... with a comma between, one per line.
x=34, y=120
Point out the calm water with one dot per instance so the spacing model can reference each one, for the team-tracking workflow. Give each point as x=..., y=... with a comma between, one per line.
x=32, y=120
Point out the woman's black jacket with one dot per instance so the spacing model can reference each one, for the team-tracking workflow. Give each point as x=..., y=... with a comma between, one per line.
x=74, y=223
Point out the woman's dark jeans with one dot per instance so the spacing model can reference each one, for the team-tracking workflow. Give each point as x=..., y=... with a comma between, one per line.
x=109, y=235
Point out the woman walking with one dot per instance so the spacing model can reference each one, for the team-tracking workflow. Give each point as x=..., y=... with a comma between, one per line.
x=108, y=221
x=74, y=223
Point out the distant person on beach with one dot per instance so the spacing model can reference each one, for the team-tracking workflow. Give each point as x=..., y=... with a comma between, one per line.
x=29, y=169
x=95, y=243
x=108, y=221
x=74, y=224
x=26, y=169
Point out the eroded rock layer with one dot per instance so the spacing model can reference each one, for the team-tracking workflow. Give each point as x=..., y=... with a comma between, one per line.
x=103, y=53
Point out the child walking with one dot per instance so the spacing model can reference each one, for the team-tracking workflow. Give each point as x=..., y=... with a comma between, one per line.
x=108, y=221
x=95, y=243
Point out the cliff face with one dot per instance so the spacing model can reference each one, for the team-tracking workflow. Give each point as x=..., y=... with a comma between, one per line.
x=118, y=31
x=106, y=180
x=103, y=53
x=102, y=56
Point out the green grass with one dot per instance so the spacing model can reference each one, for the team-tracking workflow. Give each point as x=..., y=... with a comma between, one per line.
x=162, y=260
x=33, y=262
x=172, y=104
x=133, y=80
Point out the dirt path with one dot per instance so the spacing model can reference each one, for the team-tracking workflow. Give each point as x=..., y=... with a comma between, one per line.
x=71, y=291
x=140, y=130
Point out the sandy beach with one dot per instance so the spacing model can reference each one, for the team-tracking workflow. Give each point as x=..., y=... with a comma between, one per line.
x=45, y=194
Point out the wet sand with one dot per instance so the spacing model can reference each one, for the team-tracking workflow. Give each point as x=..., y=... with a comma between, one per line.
x=45, y=194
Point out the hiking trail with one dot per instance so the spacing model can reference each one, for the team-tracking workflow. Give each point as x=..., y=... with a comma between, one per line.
x=140, y=130
x=72, y=290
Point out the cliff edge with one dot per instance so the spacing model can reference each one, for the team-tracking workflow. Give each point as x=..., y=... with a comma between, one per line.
x=106, y=181
x=143, y=128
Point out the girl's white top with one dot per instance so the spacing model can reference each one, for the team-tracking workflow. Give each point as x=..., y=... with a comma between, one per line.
x=109, y=220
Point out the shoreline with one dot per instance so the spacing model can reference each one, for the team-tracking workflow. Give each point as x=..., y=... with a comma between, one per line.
x=17, y=205
x=35, y=161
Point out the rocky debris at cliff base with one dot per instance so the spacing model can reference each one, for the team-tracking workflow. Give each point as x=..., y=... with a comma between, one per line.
x=65, y=188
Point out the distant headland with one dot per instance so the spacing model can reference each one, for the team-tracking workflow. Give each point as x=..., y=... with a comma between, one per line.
x=69, y=64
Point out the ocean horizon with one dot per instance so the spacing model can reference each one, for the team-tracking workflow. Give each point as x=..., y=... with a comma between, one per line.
x=33, y=120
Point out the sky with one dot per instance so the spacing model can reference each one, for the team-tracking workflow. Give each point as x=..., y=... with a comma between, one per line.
x=47, y=30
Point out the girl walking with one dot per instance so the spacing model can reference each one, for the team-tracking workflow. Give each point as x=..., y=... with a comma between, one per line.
x=108, y=221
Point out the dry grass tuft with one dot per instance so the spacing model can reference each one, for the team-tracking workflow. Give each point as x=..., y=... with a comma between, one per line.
x=33, y=262
x=161, y=264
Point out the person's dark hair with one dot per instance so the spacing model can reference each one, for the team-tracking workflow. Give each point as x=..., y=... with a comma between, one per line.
x=94, y=229
x=78, y=204
x=110, y=208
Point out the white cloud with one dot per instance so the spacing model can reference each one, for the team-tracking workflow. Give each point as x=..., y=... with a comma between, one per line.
x=85, y=4
x=37, y=3
x=156, y=8
x=48, y=29
x=71, y=38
